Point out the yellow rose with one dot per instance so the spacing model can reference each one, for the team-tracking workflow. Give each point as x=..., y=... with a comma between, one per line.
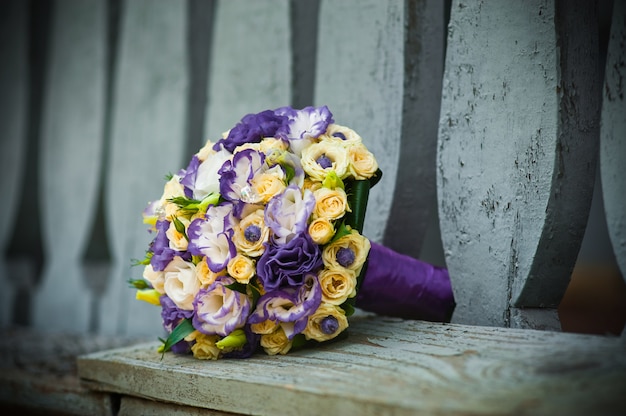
x=363, y=164
x=269, y=183
x=326, y=323
x=311, y=185
x=205, y=275
x=178, y=241
x=156, y=278
x=271, y=144
x=321, y=231
x=348, y=136
x=349, y=251
x=276, y=342
x=264, y=328
x=205, y=348
x=337, y=284
x=330, y=203
x=251, y=233
x=241, y=268
x=320, y=158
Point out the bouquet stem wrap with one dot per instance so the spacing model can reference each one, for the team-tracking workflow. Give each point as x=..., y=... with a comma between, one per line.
x=398, y=285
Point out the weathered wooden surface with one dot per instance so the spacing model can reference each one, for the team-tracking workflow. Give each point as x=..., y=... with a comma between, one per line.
x=147, y=143
x=70, y=159
x=613, y=136
x=13, y=118
x=387, y=366
x=250, y=64
x=38, y=373
x=517, y=151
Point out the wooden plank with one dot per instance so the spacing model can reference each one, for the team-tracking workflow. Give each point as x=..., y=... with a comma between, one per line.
x=613, y=136
x=517, y=151
x=131, y=406
x=250, y=68
x=70, y=159
x=414, y=201
x=13, y=116
x=387, y=366
x=360, y=76
x=147, y=143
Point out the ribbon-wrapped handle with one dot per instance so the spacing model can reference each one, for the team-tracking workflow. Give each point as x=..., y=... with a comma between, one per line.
x=398, y=285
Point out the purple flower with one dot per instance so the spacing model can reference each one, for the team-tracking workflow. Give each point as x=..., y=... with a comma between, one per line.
x=290, y=306
x=309, y=123
x=220, y=310
x=188, y=179
x=253, y=128
x=287, y=265
x=287, y=214
x=212, y=237
x=172, y=315
x=162, y=254
x=236, y=178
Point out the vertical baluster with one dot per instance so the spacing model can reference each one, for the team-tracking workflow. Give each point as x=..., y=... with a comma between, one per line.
x=13, y=116
x=517, y=146
x=70, y=155
x=250, y=67
x=613, y=136
x=360, y=77
x=147, y=143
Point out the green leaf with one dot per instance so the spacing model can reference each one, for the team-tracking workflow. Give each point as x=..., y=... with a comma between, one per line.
x=179, y=333
x=139, y=284
x=347, y=307
x=290, y=172
x=342, y=231
x=144, y=262
x=168, y=176
x=237, y=287
x=180, y=227
x=358, y=192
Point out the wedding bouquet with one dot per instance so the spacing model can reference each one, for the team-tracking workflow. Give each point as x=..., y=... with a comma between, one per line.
x=258, y=241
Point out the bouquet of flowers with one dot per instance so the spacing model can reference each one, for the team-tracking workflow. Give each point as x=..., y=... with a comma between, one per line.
x=258, y=240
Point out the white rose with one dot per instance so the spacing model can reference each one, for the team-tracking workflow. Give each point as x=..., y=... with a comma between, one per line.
x=321, y=158
x=156, y=278
x=181, y=284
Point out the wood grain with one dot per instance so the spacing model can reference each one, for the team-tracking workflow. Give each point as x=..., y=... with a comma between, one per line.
x=386, y=366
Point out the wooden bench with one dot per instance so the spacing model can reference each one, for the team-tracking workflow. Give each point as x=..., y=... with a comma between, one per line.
x=488, y=137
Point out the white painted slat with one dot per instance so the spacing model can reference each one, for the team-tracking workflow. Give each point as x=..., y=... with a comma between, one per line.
x=147, y=143
x=359, y=75
x=13, y=115
x=386, y=367
x=250, y=67
x=517, y=146
x=613, y=136
x=70, y=159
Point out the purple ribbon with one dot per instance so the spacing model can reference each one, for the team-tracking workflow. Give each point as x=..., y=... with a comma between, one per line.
x=402, y=286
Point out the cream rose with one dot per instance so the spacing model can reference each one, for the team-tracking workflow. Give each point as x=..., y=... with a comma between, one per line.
x=241, y=268
x=269, y=183
x=251, y=233
x=321, y=231
x=323, y=157
x=330, y=203
x=172, y=189
x=363, y=164
x=325, y=323
x=276, y=342
x=156, y=278
x=349, y=251
x=337, y=284
x=181, y=284
x=206, y=151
